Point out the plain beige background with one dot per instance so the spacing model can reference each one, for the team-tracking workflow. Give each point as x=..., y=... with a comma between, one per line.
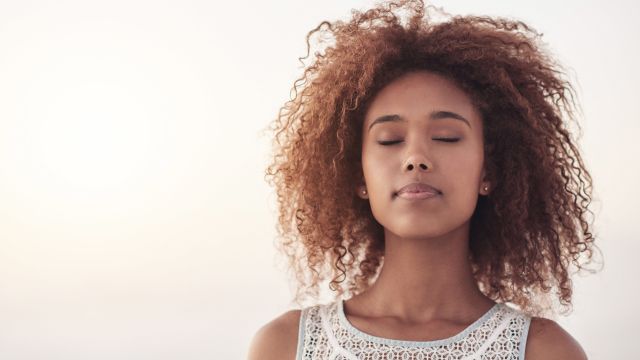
x=134, y=219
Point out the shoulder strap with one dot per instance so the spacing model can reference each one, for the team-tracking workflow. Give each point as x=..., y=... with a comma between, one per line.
x=509, y=316
x=493, y=337
x=333, y=342
x=301, y=327
x=523, y=337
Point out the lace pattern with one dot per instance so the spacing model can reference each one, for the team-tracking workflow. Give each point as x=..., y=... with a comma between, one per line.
x=325, y=333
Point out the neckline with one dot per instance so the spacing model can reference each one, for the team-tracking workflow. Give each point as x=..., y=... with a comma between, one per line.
x=412, y=343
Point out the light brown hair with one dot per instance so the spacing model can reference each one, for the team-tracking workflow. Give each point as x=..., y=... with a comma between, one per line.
x=524, y=236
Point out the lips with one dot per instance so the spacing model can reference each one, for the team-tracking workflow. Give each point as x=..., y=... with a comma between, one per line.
x=416, y=188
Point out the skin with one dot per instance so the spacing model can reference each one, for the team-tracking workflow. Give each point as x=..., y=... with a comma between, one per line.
x=426, y=290
x=426, y=241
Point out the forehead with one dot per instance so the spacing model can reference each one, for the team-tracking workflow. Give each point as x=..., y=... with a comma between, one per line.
x=418, y=93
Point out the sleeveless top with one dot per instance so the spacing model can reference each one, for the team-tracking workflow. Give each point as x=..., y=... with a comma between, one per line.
x=325, y=333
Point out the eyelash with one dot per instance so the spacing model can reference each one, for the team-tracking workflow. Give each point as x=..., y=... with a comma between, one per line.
x=449, y=140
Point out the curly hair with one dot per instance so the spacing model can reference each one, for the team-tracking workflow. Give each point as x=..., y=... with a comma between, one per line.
x=523, y=237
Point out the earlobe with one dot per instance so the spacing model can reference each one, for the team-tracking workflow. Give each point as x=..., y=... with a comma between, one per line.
x=362, y=192
x=484, y=185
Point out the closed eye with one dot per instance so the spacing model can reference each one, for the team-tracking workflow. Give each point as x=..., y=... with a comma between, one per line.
x=389, y=142
x=392, y=142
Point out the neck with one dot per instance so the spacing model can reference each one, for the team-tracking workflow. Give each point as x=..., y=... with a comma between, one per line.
x=424, y=278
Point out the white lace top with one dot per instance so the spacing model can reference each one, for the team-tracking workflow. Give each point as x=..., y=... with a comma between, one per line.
x=325, y=333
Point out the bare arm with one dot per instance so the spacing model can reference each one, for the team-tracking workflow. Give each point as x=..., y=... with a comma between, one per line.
x=549, y=341
x=277, y=340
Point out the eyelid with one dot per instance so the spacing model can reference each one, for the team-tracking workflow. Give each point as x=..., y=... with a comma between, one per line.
x=447, y=139
x=443, y=139
x=389, y=142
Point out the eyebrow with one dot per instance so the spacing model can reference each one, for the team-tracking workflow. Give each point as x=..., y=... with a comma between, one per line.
x=435, y=115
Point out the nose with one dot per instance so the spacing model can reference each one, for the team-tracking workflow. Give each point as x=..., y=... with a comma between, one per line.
x=416, y=161
x=416, y=151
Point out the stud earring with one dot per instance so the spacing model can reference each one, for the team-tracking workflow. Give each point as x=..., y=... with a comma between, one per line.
x=364, y=191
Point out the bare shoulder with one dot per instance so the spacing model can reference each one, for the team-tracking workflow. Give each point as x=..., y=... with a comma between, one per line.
x=548, y=340
x=277, y=339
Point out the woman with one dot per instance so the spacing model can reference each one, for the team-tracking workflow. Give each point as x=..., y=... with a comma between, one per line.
x=425, y=171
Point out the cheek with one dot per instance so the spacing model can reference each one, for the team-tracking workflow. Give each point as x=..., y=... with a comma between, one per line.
x=377, y=170
x=374, y=159
x=464, y=169
x=466, y=166
x=380, y=171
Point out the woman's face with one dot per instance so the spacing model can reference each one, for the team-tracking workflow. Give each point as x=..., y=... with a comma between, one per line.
x=417, y=113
